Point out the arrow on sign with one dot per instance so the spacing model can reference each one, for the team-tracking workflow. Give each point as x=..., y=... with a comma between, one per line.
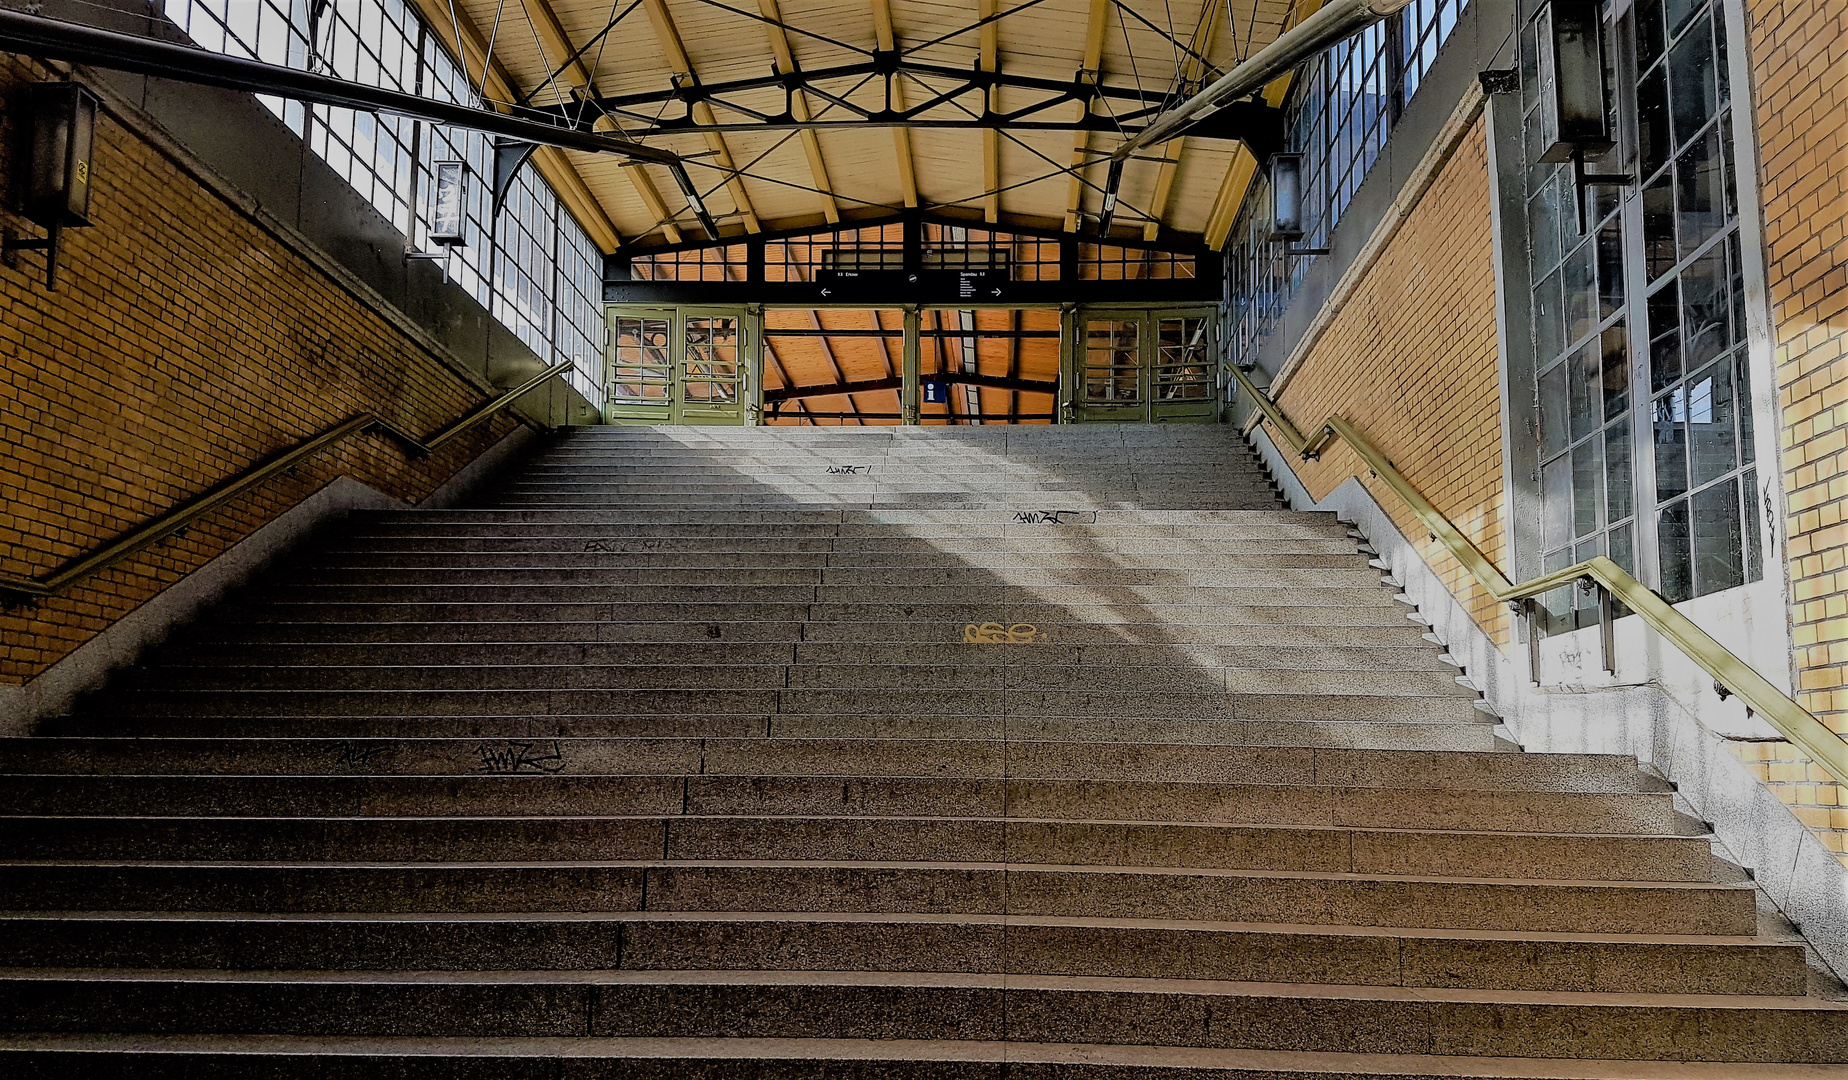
x=994, y=292
x=827, y=292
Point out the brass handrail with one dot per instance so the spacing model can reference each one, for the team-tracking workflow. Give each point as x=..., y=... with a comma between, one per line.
x=1791, y=720
x=188, y=512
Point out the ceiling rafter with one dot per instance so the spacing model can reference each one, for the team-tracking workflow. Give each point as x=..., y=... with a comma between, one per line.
x=895, y=89
x=990, y=61
x=549, y=160
x=778, y=34
x=1081, y=143
x=566, y=63
x=668, y=35
x=1193, y=69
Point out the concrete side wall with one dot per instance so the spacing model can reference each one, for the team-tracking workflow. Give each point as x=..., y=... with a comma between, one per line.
x=1798, y=55
x=192, y=335
x=1791, y=864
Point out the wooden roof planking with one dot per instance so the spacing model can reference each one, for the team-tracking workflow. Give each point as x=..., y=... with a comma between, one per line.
x=775, y=179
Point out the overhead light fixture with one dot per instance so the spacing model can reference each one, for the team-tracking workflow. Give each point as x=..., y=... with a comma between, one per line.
x=694, y=201
x=1112, y=181
x=1288, y=218
x=57, y=187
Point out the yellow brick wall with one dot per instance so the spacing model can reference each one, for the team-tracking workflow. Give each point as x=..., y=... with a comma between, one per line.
x=1411, y=361
x=184, y=344
x=1799, y=60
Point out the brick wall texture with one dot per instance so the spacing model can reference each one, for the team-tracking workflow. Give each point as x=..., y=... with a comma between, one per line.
x=1411, y=361
x=1799, y=60
x=184, y=344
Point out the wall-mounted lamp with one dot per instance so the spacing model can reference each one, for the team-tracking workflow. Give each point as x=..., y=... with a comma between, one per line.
x=448, y=216
x=63, y=126
x=1286, y=191
x=1574, y=116
x=448, y=211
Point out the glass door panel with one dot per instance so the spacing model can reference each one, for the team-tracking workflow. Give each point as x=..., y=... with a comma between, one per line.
x=1112, y=381
x=641, y=366
x=1182, y=379
x=712, y=376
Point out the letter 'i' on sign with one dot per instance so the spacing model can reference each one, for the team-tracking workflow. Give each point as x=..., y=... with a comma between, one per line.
x=446, y=217
x=936, y=391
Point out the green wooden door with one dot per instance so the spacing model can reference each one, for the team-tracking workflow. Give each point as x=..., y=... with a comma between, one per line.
x=711, y=381
x=641, y=358
x=1110, y=383
x=678, y=365
x=1181, y=359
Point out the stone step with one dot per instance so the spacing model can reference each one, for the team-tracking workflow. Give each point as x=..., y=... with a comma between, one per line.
x=543, y=701
x=960, y=944
x=1474, y=734
x=1013, y=756
x=532, y=792
x=1355, y=575
x=961, y=678
x=1427, y=852
x=1261, y=635
x=356, y=558
x=911, y=840
x=1555, y=906
x=938, y=1006
x=1414, y=655
x=1050, y=548
x=853, y=622
x=335, y=1057
x=1174, y=602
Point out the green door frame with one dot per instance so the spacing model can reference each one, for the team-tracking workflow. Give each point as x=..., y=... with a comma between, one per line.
x=1112, y=388
x=672, y=382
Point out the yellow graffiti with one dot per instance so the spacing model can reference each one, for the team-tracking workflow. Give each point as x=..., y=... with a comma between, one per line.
x=992, y=633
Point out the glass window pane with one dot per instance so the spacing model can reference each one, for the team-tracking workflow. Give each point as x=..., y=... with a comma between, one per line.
x=1581, y=289
x=1614, y=344
x=1712, y=445
x=1673, y=554
x=1742, y=393
x=1671, y=445
x=1610, y=269
x=1549, y=323
x=1587, y=487
x=1748, y=520
x=1657, y=144
x=1649, y=41
x=1705, y=307
x=1623, y=548
x=1543, y=224
x=1617, y=469
x=1556, y=494
x=1584, y=379
x=1718, y=562
x=1553, y=411
x=1692, y=90
x=1659, y=226
x=1700, y=207
x=1664, y=337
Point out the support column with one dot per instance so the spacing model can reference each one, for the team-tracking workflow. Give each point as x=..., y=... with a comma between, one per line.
x=909, y=393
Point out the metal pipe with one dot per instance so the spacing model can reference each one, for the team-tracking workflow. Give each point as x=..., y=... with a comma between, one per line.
x=1333, y=23
x=55, y=39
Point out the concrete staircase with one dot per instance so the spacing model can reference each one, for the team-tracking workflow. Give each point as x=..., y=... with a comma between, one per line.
x=971, y=753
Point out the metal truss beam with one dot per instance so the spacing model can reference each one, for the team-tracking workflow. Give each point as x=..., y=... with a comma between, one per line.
x=54, y=39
